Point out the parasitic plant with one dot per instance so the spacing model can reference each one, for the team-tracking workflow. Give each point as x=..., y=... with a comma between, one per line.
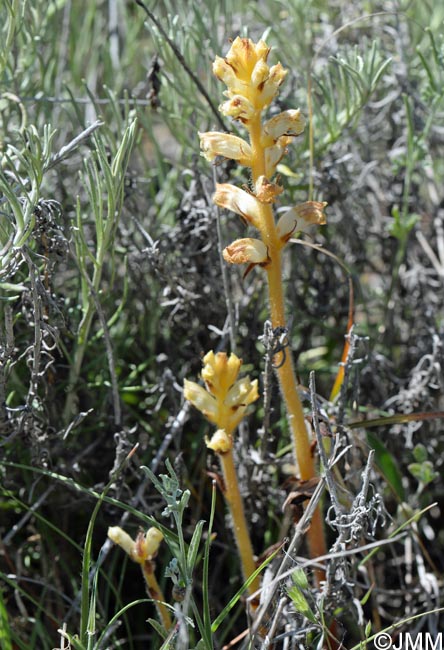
x=224, y=402
x=251, y=86
x=143, y=550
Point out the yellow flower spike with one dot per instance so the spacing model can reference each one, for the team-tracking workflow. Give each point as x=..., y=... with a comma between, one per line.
x=239, y=201
x=221, y=442
x=201, y=400
x=232, y=397
x=251, y=88
x=287, y=123
x=215, y=144
x=143, y=548
x=225, y=400
x=246, y=251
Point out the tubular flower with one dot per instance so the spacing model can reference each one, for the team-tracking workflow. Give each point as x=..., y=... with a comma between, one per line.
x=239, y=201
x=312, y=213
x=274, y=155
x=238, y=107
x=289, y=123
x=227, y=396
x=301, y=217
x=246, y=251
x=202, y=400
x=215, y=144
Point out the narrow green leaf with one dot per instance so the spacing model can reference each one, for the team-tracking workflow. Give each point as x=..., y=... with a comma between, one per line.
x=387, y=464
x=194, y=545
x=5, y=630
x=300, y=603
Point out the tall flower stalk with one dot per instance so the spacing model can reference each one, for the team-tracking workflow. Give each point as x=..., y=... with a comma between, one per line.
x=251, y=86
x=224, y=402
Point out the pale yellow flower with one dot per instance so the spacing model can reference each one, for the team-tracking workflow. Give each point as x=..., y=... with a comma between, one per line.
x=220, y=442
x=271, y=86
x=246, y=251
x=274, y=154
x=244, y=55
x=243, y=392
x=122, y=539
x=310, y=213
x=140, y=550
x=201, y=399
x=243, y=203
x=300, y=218
x=288, y=123
x=239, y=108
x=215, y=144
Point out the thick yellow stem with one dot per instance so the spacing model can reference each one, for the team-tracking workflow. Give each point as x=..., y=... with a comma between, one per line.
x=234, y=501
x=156, y=594
x=285, y=371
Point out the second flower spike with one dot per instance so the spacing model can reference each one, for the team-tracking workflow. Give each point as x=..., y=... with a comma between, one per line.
x=226, y=398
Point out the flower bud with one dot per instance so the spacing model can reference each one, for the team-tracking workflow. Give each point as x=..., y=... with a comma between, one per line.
x=122, y=539
x=220, y=371
x=147, y=545
x=244, y=55
x=266, y=191
x=271, y=85
x=220, y=442
x=141, y=550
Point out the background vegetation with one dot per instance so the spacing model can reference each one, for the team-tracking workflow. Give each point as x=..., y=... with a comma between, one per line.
x=111, y=289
